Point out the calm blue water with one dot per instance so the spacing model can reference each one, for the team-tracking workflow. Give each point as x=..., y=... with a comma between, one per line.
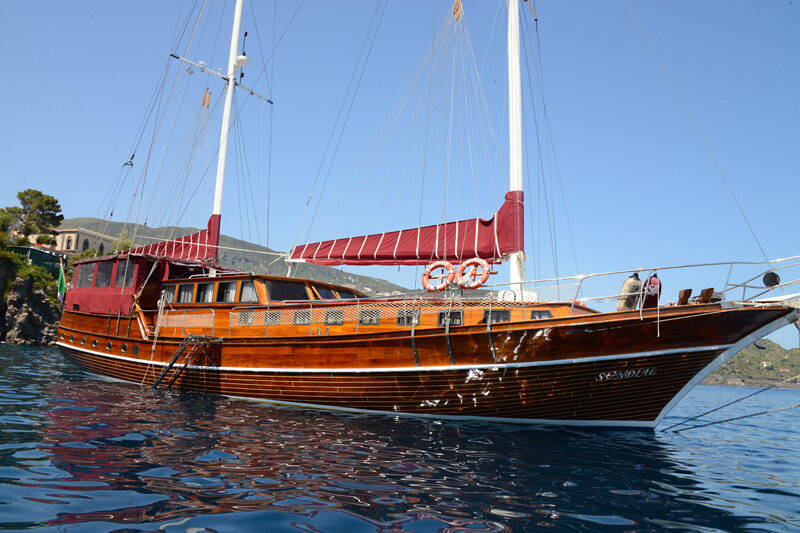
x=80, y=452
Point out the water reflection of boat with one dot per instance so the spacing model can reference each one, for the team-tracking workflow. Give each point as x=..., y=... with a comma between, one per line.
x=130, y=456
x=167, y=311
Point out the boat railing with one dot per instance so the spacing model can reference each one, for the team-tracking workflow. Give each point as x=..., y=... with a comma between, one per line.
x=188, y=321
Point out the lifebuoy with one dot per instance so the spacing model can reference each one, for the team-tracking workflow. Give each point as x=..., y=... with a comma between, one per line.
x=446, y=280
x=469, y=281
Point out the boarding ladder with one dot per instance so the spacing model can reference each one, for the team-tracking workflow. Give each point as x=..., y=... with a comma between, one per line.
x=191, y=347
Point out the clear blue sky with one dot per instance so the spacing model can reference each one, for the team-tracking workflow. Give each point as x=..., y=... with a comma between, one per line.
x=640, y=187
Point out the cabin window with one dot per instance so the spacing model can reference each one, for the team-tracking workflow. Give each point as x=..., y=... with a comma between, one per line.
x=539, y=314
x=493, y=316
x=168, y=294
x=62, y=336
x=205, y=293
x=273, y=318
x=226, y=292
x=85, y=275
x=302, y=317
x=286, y=290
x=135, y=349
x=453, y=317
x=125, y=271
x=248, y=293
x=369, y=317
x=108, y=346
x=325, y=293
x=72, y=338
x=94, y=343
x=123, y=348
x=334, y=317
x=103, y=277
x=346, y=295
x=408, y=317
x=185, y=293
x=244, y=318
x=83, y=341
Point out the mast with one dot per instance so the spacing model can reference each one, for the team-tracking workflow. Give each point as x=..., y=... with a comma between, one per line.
x=517, y=259
x=233, y=63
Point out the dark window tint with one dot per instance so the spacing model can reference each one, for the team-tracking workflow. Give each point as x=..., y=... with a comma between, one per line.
x=286, y=290
x=453, y=316
x=248, y=292
x=125, y=271
x=226, y=292
x=325, y=293
x=205, y=293
x=168, y=293
x=334, y=317
x=185, y=293
x=538, y=314
x=345, y=295
x=408, y=317
x=85, y=275
x=496, y=315
x=369, y=317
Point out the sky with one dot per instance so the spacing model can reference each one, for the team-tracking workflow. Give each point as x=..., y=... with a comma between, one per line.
x=639, y=184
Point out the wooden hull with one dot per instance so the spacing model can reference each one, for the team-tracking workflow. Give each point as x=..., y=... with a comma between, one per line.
x=615, y=369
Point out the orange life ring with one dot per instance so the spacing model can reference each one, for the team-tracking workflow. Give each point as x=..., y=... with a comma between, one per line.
x=446, y=280
x=464, y=281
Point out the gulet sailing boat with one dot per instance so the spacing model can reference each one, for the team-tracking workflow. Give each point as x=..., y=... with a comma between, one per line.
x=167, y=314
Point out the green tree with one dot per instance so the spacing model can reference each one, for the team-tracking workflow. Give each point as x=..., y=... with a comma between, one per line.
x=123, y=242
x=46, y=239
x=37, y=214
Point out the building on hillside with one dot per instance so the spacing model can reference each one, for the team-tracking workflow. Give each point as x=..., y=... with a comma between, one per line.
x=42, y=256
x=74, y=240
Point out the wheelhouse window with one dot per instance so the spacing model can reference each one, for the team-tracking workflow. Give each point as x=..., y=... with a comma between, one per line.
x=168, y=294
x=408, y=317
x=346, y=295
x=494, y=316
x=226, y=293
x=85, y=275
x=325, y=293
x=286, y=290
x=539, y=314
x=205, y=293
x=451, y=317
x=103, y=278
x=185, y=293
x=125, y=272
x=248, y=292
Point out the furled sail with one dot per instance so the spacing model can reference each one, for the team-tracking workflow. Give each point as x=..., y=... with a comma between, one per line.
x=200, y=246
x=453, y=241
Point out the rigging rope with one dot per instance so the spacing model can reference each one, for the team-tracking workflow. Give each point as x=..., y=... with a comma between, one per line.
x=697, y=129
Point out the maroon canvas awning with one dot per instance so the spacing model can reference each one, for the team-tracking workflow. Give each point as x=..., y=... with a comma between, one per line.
x=453, y=241
x=200, y=246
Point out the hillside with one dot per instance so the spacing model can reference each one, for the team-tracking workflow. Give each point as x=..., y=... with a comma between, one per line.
x=757, y=368
x=249, y=260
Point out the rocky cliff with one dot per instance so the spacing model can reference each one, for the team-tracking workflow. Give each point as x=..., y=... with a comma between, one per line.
x=28, y=315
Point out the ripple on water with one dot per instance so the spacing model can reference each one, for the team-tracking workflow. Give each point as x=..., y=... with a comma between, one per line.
x=104, y=455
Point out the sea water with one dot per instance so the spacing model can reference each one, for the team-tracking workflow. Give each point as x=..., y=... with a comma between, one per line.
x=84, y=453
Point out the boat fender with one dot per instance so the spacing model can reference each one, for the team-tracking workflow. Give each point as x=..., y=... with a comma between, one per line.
x=471, y=280
x=629, y=296
x=446, y=280
x=652, y=292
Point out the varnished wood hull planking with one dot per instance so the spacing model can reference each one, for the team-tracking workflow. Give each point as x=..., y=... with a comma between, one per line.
x=612, y=369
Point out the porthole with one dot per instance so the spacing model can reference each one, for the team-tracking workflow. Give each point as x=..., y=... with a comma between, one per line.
x=135, y=349
x=62, y=336
x=83, y=341
x=71, y=338
x=108, y=346
x=94, y=343
x=123, y=348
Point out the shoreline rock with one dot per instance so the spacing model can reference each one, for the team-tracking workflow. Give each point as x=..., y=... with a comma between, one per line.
x=28, y=315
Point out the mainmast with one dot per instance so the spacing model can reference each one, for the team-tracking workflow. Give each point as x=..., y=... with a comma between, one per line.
x=517, y=259
x=234, y=61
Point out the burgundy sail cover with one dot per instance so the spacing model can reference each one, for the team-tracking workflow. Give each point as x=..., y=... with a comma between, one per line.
x=453, y=241
x=200, y=246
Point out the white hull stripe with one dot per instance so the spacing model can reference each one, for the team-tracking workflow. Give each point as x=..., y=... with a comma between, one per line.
x=269, y=370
